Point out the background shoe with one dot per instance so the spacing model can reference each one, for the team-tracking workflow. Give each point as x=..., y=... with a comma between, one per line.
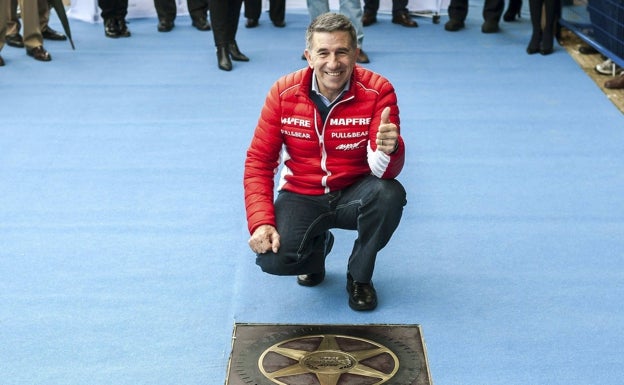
x=223, y=58
x=490, y=26
x=201, y=23
x=251, y=23
x=1, y=62
x=615, y=83
x=235, y=53
x=513, y=11
x=607, y=67
x=368, y=18
x=14, y=40
x=122, y=27
x=404, y=19
x=50, y=34
x=165, y=25
x=454, y=25
x=362, y=57
x=39, y=53
x=587, y=50
x=279, y=23
x=115, y=28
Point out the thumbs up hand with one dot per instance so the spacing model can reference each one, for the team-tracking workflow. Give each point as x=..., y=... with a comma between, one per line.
x=388, y=133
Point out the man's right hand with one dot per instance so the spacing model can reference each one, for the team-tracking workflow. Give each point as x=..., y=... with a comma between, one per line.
x=265, y=238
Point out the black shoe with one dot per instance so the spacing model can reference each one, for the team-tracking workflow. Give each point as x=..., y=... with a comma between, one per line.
x=165, y=25
x=362, y=296
x=50, y=34
x=279, y=23
x=201, y=23
x=587, y=50
x=490, y=26
x=314, y=279
x=513, y=11
x=115, y=28
x=404, y=19
x=368, y=18
x=235, y=53
x=1, y=62
x=14, y=40
x=122, y=28
x=251, y=23
x=110, y=28
x=223, y=58
x=39, y=53
x=454, y=25
x=362, y=57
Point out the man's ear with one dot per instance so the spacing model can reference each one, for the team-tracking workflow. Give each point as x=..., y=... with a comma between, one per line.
x=308, y=57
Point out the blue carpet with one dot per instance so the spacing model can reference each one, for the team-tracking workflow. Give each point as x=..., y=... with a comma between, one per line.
x=123, y=256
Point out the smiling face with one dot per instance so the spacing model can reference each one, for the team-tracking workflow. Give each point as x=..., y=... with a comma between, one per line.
x=332, y=55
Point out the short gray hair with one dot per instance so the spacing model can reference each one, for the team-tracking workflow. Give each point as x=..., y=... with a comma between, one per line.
x=331, y=22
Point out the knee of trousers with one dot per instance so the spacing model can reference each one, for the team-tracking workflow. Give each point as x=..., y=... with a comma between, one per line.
x=277, y=264
x=390, y=193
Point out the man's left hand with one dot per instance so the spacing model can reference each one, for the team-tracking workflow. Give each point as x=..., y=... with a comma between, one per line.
x=388, y=133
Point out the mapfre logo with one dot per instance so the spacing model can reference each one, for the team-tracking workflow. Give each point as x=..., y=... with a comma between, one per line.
x=296, y=122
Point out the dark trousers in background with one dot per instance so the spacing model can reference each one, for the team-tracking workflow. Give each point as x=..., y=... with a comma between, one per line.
x=224, y=16
x=492, y=9
x=113, y=9
x=277, y=9
x=167, y=10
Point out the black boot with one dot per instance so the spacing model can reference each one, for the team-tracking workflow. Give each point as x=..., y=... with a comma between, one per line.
x=236, y=53
x=223, y=58
x=513, y=10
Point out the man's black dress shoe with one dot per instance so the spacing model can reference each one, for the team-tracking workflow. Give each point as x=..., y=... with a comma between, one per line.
x=165, y=25
x=1, y=62
x=110, y=28
x=314, y=279
x=50, y=34
x=368, y=18
x=362, y=57
x=453, y=25
x=122, y=28
x=235, y=53
x=490, y=26
x=201, y=23
x=404, y=19
x=251, y=23
x=14, y=40
x=362, y=296
x=115, y=28
x=39, y=53
x=279, y=23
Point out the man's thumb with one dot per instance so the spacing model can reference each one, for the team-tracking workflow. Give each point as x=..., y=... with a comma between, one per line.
x=385, y=115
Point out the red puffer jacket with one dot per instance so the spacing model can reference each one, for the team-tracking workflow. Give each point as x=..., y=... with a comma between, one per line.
x=317, y=158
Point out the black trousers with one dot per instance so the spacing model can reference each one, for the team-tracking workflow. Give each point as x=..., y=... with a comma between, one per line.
x=167, y=10
x=492, y=9
x=372, y=6
x=113, y=9
x=277, y=9
x=224, y=16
